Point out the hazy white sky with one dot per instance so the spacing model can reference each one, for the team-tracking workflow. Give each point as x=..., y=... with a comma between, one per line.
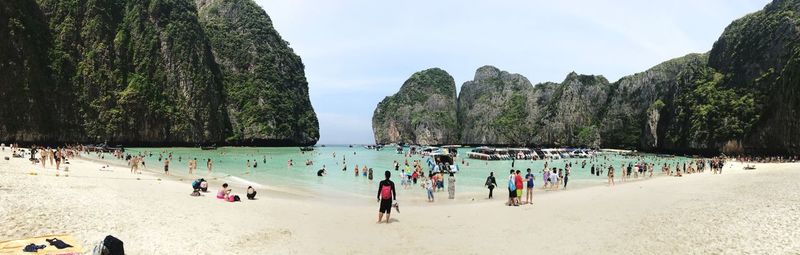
x=357, y=52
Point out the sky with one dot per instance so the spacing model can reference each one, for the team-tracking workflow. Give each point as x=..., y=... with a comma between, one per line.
x=357, y=52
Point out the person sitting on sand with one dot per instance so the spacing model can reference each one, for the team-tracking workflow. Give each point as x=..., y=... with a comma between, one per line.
x=204, y=186
x=196, y=184
x=251, y=193
x=224, y=192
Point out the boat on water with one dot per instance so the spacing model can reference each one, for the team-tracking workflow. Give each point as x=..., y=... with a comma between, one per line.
x=551, y=154
x=451, y=149
x=376, y=147
x=307, y=148
x=104, y=148
x=489, y=153
x=441, y=162
x=427, y=151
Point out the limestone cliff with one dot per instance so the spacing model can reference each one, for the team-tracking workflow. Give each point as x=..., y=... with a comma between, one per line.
x=147, y=73
x=496, y=107
x=422, y=112
x=264, y=80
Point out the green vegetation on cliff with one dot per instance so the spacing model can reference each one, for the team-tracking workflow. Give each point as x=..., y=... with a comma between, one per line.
x=263, y=78
x=143, y=72
x=26, y=86
x=422, y=112
x=741, y=96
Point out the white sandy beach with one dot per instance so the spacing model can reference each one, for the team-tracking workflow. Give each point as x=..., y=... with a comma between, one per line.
x=739, y=212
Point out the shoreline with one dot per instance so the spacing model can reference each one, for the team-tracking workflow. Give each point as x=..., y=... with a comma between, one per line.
x=636, y=217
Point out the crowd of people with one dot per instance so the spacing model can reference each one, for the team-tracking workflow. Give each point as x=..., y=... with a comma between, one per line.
x=436, y=177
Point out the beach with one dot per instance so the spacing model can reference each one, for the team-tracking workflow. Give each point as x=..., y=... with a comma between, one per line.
x=738, y=212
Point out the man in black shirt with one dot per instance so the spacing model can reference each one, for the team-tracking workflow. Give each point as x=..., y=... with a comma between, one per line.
x=386, y=194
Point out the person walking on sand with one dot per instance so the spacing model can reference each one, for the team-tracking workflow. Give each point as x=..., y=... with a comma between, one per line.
x=51, y=155
x=166, y=166
x=42, y=155
x=491, y=183
x=451, y=186
x=386, y=194
x=529, y=195
x=135, y=164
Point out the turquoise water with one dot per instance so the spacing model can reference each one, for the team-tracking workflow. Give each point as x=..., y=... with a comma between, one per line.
x=272, y=168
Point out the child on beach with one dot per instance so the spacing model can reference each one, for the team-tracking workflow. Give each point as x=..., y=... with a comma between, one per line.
x=251, y=193
x=529, y=195
x=224, y=192
x=428, y=185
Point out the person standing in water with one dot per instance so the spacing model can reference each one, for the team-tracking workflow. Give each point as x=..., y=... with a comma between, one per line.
x=386, y=194
x=491, y=183
x=190, y=166
x=166, y=166
x=208, y=165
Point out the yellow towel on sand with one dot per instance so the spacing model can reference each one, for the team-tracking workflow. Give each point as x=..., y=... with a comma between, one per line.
x=16, y=246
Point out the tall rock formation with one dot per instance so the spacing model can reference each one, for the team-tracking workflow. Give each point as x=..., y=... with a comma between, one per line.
x=632, y=116
x=263, y=77
x=742, y=96
x=26, y=86
x=570, y=115
x=496, y=107
x=759, y=58
x=143, y=73
x=422, y=112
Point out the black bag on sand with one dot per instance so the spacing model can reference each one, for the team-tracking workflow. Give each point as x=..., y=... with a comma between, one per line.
x=113, y=245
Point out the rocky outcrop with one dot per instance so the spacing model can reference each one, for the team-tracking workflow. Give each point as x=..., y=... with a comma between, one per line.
x=497, y=107
x=422, y=112
x=572, y=111
x=143, y=73
x=263, y=78
x=624, y=117
x=742, y=96
x=758, y=58
x=26, y=86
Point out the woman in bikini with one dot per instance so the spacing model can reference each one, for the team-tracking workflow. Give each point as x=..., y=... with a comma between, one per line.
x=611, y=176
